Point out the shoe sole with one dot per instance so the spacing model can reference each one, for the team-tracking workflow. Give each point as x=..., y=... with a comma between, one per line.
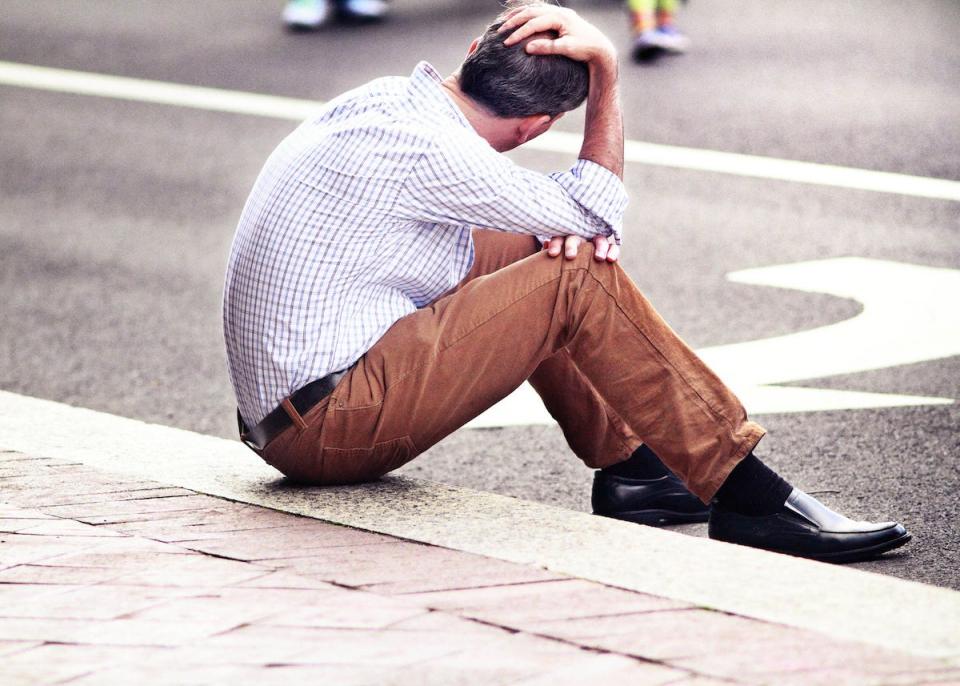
x=659, y=517
x=855, y=555
x=647, y=53
x=862, y=554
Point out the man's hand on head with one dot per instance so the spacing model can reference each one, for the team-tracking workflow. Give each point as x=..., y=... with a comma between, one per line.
x=576, y=38
x=604, y=249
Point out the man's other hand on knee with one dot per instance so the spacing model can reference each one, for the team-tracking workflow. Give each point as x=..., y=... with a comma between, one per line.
x=604, y=248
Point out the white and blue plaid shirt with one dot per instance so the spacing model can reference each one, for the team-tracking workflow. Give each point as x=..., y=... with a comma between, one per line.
x=362, y=215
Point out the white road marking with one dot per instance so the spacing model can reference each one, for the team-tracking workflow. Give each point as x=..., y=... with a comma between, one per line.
x=909, y=315
x=157, y=92
x=829, y=599
x=676, y=157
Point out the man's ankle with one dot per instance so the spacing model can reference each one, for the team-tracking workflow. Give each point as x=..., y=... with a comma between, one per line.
x=642, y=464
x=753, y=489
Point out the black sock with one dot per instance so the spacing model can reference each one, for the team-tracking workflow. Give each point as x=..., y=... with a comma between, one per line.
x=753, y=489
x=642, y=464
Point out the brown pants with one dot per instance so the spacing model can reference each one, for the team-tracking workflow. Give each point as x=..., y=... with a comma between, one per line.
x=608, y=368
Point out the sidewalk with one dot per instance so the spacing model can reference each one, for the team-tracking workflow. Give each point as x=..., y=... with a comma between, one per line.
x=107, y=579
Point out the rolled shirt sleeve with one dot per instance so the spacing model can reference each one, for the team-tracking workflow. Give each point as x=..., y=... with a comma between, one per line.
x=593, y=186
x=468, y=183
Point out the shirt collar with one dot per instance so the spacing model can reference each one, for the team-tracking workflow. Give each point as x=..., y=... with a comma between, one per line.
x=425, y=87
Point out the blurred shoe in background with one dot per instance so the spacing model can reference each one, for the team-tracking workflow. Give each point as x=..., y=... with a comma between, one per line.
x=306, y=15
x=310, y=15
x=671, y=40
x=364, y=10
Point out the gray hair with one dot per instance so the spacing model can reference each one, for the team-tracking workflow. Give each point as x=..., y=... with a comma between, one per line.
x=511, y=83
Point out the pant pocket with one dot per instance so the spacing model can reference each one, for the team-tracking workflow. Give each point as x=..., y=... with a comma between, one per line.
x=356, y=465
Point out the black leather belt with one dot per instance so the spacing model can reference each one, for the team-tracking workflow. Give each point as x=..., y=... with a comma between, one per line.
x=279, y=419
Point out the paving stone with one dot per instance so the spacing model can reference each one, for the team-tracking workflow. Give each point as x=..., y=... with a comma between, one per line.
x=793, y=650
x=94, y=483
x=140, y=632
x=128, y=632
x=703, y=681
x=110, y=508
x=8, y=510
x=218, y=650
x=13, y=471
x=506, y=657
x=350, y=610
x=11, y=647
x=784, y=664
x=167, y=672
x=16, y=456
x=69, y=527
x=136, y=545
x=173, y=674
x=48, y=574
x=116, y=560
x=404, y=567
x=190, y=570
x=671, y=635
x=501, y=648
x=223, y=518
x=839, y=676
x=243, y=605
x=285, y=542
x=228, y=516
x=32, y=675
x=11, y=594
x=11, y=525
x=441, y=621
x=93, y=657
x=99, y=495
x=173, y=529
x=283, y=580
x=341, y=675
x=85, y=602
x=456, y=671
x=18, y=549
x=333, y=646
x=593, y=668
x=579, y=629
x=532, y=603
x=44, y=629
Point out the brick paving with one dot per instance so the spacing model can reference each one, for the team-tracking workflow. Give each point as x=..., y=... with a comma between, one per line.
x=111, y=580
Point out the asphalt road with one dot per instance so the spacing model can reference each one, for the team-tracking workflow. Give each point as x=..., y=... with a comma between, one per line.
x=116, y=217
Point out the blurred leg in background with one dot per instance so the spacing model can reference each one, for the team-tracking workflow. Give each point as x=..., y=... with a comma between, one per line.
x=654, y=31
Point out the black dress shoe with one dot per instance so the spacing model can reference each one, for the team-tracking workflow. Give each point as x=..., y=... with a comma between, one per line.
x=805, y=527
x=646, y=501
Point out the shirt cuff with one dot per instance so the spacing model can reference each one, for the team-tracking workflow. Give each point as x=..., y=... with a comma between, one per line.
x=598, y=191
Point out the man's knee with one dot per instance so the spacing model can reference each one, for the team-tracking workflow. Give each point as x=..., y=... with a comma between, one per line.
x=584, y=259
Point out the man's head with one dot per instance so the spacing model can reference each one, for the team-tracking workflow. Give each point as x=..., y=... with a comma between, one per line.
x=510, y=83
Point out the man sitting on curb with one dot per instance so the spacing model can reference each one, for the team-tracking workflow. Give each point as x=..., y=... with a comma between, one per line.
x=365, y=320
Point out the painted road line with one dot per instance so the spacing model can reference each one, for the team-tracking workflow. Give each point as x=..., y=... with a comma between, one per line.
x=295, y=109
x=909, y=315
x=755, y=166
x=157, y=92
x=831, y=600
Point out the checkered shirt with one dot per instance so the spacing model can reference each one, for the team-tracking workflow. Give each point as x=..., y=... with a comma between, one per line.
x=362, y=215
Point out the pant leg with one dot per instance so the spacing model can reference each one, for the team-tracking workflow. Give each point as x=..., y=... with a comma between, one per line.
x=443, y=365
x=642, y=15
x=592, y=429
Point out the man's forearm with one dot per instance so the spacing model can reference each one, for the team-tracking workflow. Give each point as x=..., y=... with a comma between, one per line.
x=603, y=130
